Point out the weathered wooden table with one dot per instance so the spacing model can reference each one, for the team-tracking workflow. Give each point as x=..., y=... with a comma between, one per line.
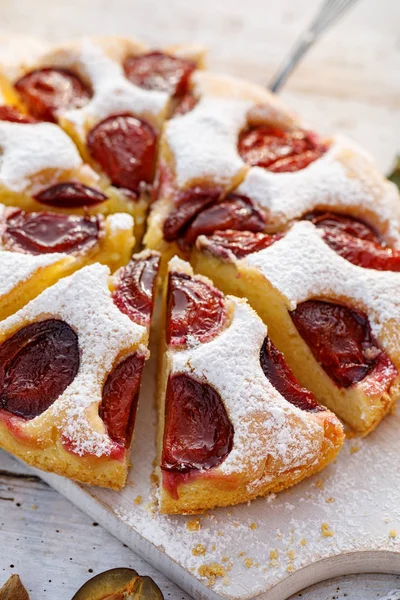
x=349, y=82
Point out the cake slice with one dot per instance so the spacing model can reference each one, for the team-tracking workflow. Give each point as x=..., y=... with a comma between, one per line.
x=70, y=370
x=234, y=423
x=329, y=291
x=86, y=238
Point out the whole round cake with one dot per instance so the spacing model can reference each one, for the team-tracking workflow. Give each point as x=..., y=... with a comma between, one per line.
x=130, y=177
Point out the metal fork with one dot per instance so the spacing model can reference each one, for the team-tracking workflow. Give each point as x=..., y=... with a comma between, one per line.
x=328, y=14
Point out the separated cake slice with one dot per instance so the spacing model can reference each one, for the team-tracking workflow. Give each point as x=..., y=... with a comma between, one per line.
x=70, y=370
x=234, y=422
x=329, y=291
x=86, y=238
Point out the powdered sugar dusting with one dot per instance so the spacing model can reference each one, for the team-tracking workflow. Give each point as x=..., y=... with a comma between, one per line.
x=301, y=266
x=27, y=150
x=112, y=92
x=17, y=268
x=230, y=363
x=120, y=222
x=204, y=141
x=83, y=300
x=345, y=179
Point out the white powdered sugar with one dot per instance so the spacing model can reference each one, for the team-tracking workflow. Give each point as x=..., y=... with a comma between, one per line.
x=266, y=425
x=17, y=268
x=204, y=141
x=112, y=92
x=345, y=178
x=120, y=222
x=26, y=150
x=301, y=266
x=83, y=300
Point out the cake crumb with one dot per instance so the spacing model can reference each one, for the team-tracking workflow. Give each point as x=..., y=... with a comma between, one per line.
x=198, y=550
x=274, y=554
x=213, y=547
x=290, y=568
x=225, y=559
x=138, y=500
x=211, y=572
x=274, y=563
x=253, y=525
x=241, y=554
x=319, y=484
x=326, y=531
x=225, y=580
x=229, y=567
x=329, y=500
x=291, y=554
x=248, y=563
x=392, y=534
x=303, y=542
x=354, y=449
x=193, y=525
x=220, y=533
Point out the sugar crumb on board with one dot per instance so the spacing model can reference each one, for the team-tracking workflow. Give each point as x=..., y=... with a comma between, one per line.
x=211, y=572
x=138, y=500
x=198, y=550
x=274, y=554
x=326, y=530
x=290, y=568
x=193, y=525
x=248, y=562
x=392, y=534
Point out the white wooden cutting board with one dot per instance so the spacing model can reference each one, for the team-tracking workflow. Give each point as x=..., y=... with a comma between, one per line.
x=344, y=520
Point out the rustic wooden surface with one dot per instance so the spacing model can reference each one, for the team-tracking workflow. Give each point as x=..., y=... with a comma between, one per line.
x=349, y=82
